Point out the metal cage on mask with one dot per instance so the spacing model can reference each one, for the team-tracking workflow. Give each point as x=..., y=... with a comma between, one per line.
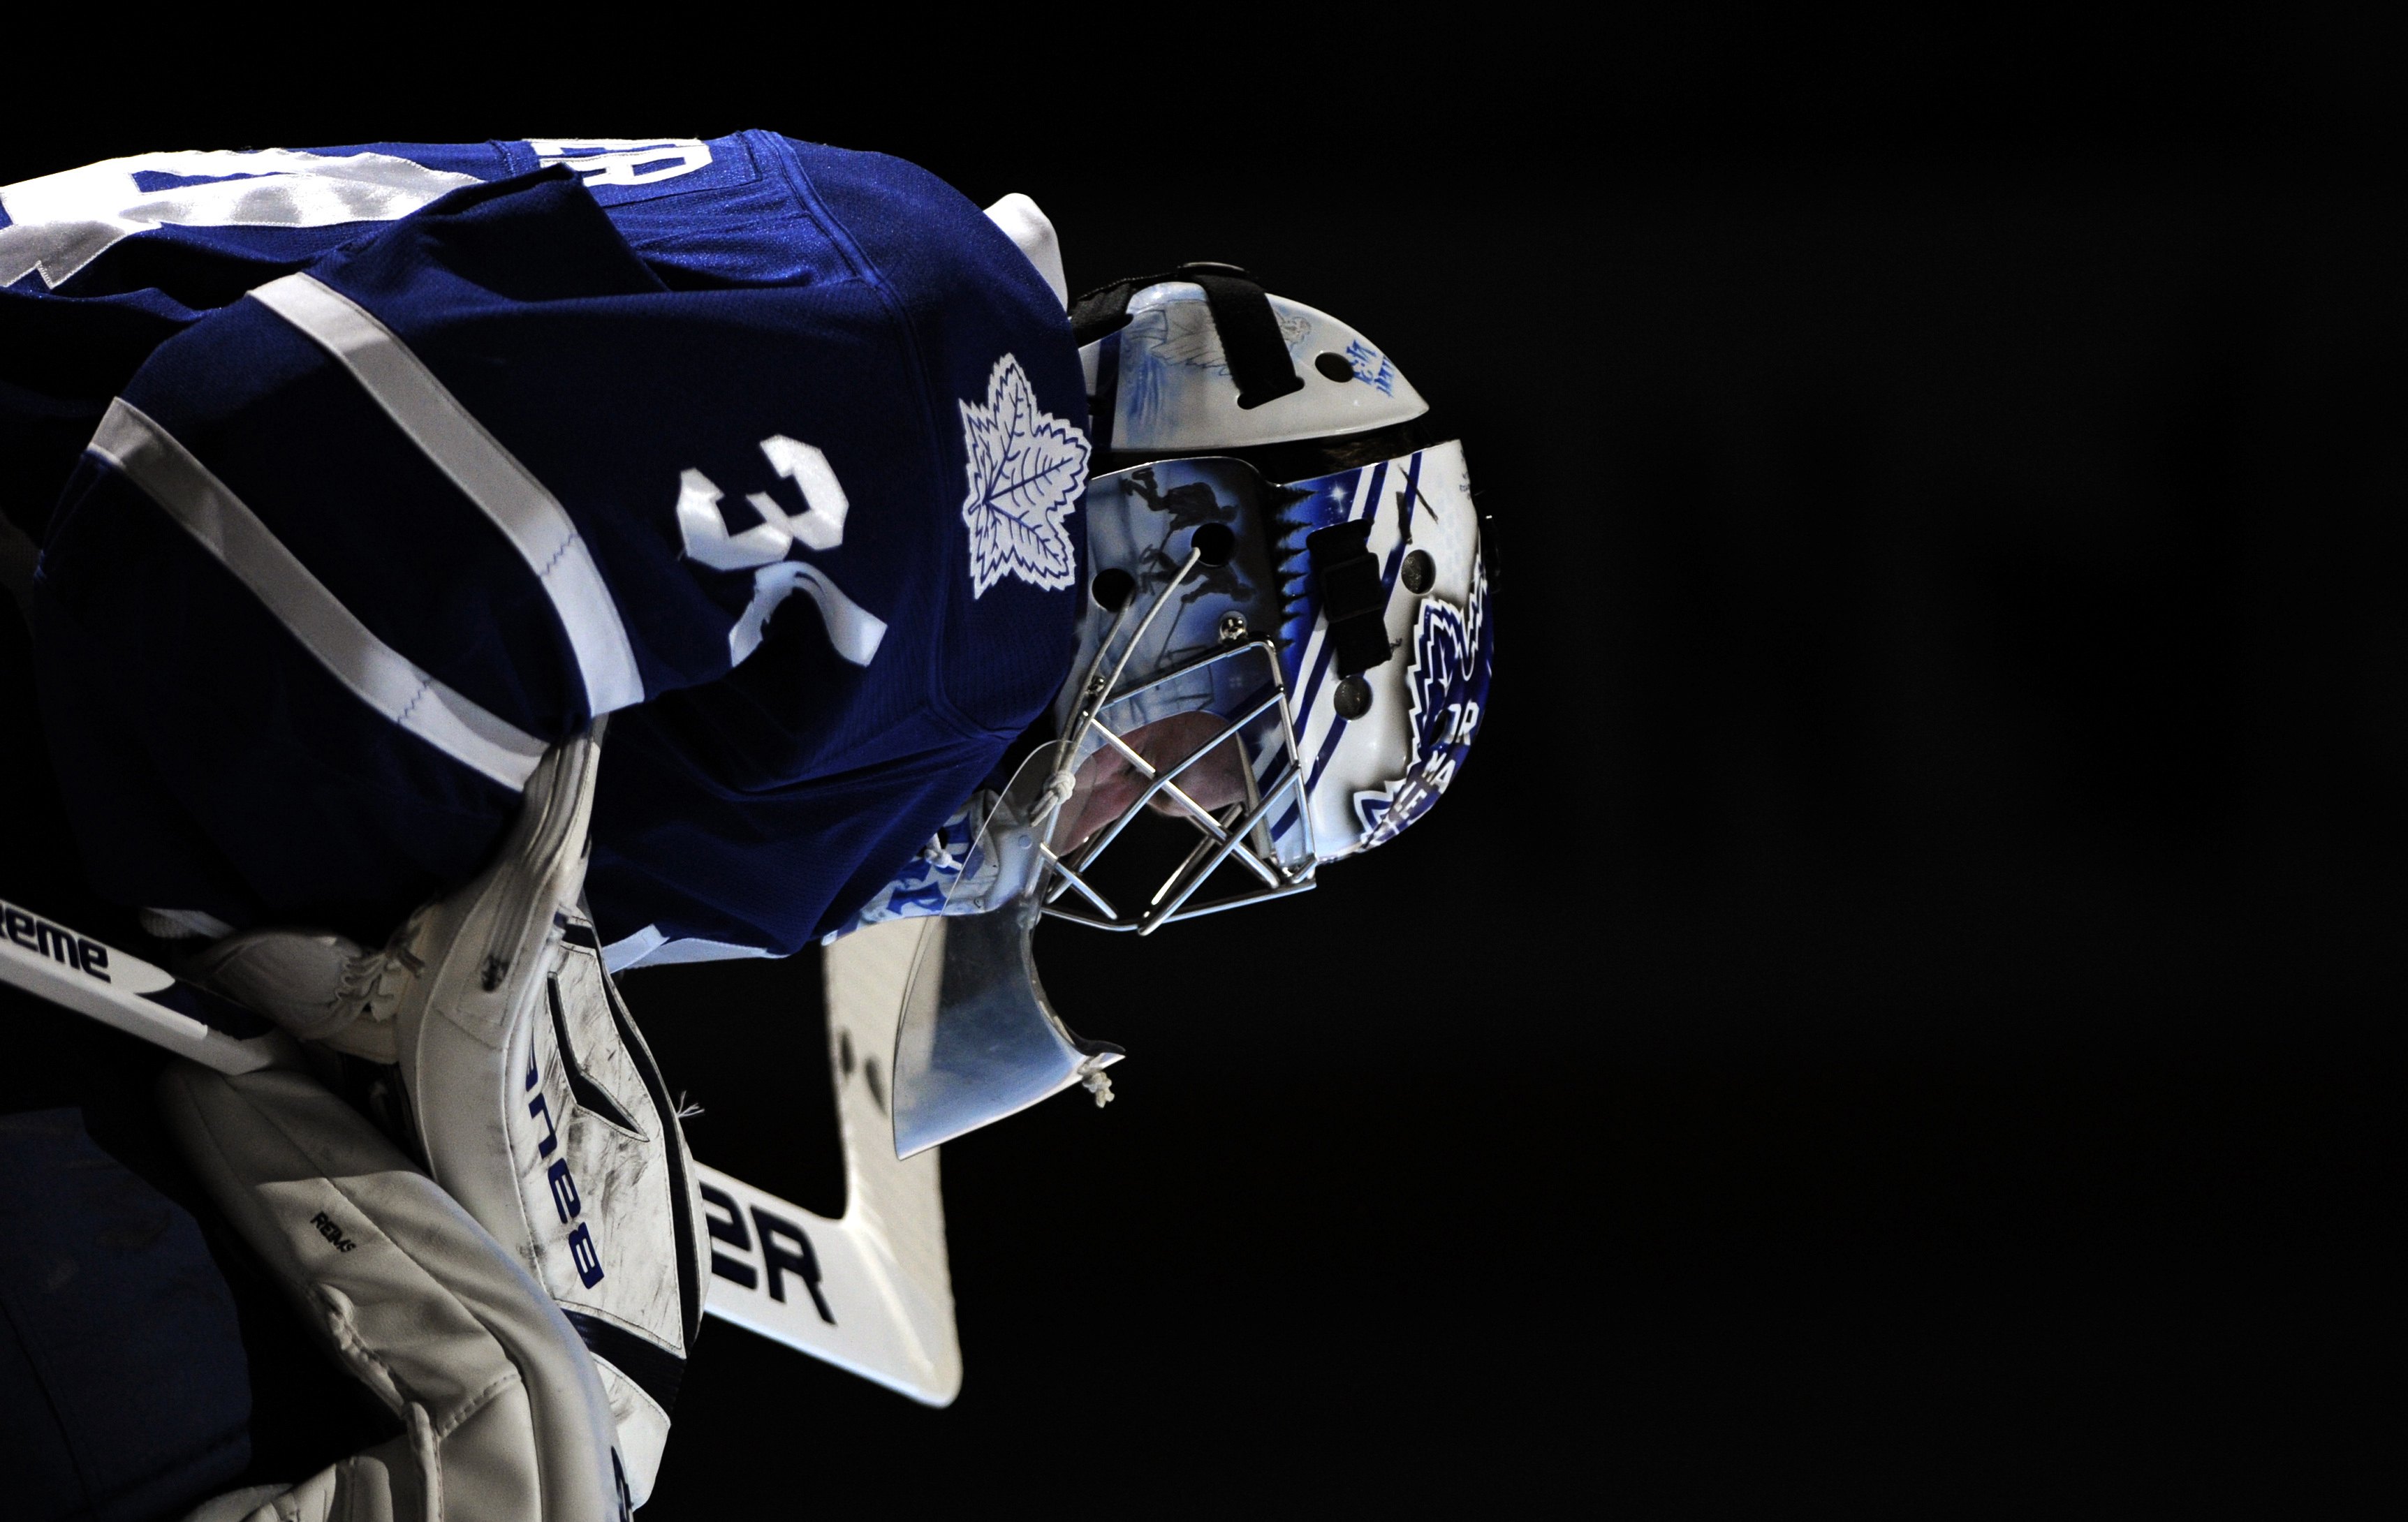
x=1251, y=705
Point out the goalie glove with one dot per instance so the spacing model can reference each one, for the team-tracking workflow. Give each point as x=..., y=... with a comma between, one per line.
x=524, y=1084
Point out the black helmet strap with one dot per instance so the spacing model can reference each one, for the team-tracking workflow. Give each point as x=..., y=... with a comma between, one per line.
x=1241, y=314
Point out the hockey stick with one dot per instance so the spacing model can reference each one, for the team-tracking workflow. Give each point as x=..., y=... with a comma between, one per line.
x=116, y=988
x=870, y=1293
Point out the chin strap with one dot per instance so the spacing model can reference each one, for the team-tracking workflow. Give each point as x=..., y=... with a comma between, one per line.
x=1241, y=313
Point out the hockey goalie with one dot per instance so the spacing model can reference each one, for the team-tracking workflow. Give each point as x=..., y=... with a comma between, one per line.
x=445, y=577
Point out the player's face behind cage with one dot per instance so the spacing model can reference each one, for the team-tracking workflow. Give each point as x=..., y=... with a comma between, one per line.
x=1175, y=819
x=1210, y=773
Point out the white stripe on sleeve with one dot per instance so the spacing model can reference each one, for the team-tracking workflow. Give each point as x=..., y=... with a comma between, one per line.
x=491, y=476
x=384, y=679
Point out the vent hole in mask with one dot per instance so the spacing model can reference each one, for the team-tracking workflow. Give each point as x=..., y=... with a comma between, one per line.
x=1112, y=589
x=1213, y=543
x=1335, y=366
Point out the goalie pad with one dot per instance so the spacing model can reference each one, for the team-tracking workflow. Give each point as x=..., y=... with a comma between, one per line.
x=502, y=1413
x=525, y=1087
x=538, y=1105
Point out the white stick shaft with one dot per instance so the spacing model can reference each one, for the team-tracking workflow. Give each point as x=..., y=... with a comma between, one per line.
x=68, y=968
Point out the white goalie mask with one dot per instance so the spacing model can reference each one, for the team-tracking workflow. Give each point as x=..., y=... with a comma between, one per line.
x=1284, y=655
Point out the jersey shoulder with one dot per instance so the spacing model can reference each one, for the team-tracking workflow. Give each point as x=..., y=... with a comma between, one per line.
x=1008, y=416
x=204, y=226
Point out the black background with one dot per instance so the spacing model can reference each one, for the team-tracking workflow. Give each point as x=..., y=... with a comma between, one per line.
x=1899, y=1012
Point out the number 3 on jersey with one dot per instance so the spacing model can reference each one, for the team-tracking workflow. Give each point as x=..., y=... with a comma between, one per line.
x=763, y=550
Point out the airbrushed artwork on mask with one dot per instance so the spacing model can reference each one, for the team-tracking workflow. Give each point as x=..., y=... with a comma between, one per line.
x=1169, y=352
x=1185, y=334
x=1372, y=368
x=1146, y=521
x=1184, y=509
x=1448, y=686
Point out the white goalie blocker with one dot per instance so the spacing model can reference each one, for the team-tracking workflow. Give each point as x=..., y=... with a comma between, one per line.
x=870, y=1293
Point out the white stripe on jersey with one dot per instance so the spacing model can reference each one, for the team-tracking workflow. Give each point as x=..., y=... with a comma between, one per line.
x=491, y=476
x=150, y=457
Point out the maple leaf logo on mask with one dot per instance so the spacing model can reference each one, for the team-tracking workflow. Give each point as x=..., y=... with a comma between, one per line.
x=1027, y=469
x=1448, y=685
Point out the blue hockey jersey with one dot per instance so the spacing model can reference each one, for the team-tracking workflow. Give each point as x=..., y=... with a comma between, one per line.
x=363, y=475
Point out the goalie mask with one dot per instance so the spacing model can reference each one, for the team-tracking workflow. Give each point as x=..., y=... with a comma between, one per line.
x=1283, y=658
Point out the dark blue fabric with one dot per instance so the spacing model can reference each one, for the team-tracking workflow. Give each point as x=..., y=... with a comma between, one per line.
x=209, y=764
x=60, y=362
x=611, y=337
x=124, y=1391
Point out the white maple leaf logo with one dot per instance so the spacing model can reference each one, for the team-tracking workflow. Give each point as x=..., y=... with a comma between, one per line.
x=1027, y=469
